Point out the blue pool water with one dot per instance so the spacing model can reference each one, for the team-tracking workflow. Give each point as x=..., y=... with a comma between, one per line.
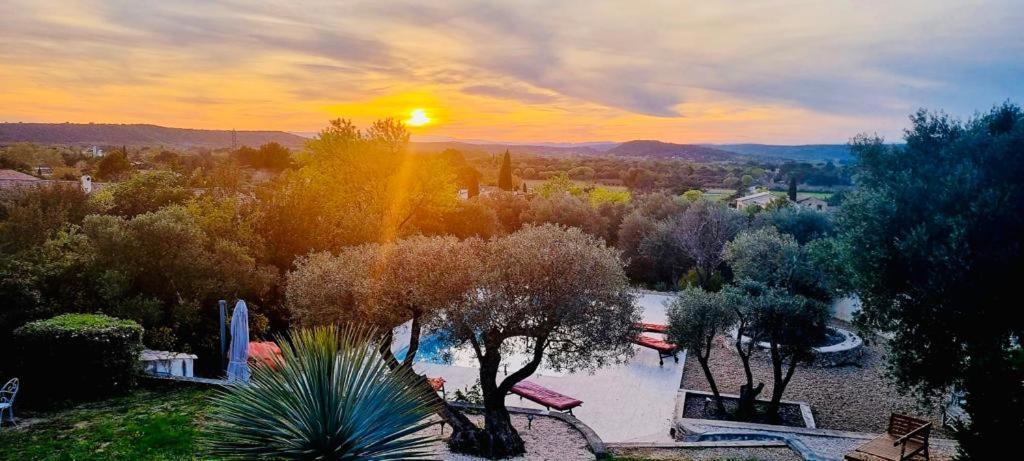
x=431, y=350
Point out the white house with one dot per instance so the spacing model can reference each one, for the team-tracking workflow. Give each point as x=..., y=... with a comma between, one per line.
x=761, y=199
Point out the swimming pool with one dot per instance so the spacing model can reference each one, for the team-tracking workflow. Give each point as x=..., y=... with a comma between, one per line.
x=434, y=350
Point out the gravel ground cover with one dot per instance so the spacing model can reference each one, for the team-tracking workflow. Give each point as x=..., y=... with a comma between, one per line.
x=546, y=439
x=849, y=398
x=707, y=454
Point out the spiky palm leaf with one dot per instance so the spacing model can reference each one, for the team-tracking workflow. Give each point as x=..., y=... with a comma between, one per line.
x=330, y=397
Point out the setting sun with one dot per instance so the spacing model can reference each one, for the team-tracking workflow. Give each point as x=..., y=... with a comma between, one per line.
x=418, y=117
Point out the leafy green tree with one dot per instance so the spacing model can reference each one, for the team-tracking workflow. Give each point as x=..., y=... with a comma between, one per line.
x=802, y=223
x=791, y=325
x=693, y=195
x=142, y=193
x=695, y=318
x=29, y=216
x=505, y=173
x=328, y=397
x=113, y=166
x=565, y=209
x=933, y=235
x=746, y=180
x=385, y=285
x=559, y=184
x=557, y=295
x=159, y=268
x=353, y=187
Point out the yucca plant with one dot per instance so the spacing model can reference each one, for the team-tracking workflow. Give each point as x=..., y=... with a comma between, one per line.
x=330, y=397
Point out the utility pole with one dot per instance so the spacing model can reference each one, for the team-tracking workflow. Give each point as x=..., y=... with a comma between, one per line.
x=234, y=139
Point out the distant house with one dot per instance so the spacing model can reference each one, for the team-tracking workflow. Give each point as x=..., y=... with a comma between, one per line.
x=11, y=179
x=813, y=203
x=761, y=199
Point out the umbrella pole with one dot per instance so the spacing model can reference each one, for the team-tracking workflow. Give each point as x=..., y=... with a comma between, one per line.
x=223, y=334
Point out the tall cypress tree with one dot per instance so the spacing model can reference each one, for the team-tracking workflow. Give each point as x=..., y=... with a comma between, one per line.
x=792, y=188
x=505, y=173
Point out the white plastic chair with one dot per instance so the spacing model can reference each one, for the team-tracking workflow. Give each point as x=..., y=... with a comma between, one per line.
x=7, y=395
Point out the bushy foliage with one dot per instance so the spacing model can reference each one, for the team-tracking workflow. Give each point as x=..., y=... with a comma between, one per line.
x=933, y=236
x=271, y=156
x=99, y=354
x=695, y=318
x=353, y=187
x=802, y=223
x=30, y=216
x=330, y=396
x=553, y=293
x=141, y=193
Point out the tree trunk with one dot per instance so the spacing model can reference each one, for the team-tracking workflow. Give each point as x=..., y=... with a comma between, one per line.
x=462, y=427
x=498, y=438
x=703, y=360
x=779, y=381
x=748, y=393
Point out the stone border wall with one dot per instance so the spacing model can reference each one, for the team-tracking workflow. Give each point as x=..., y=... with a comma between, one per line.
x=805, y=409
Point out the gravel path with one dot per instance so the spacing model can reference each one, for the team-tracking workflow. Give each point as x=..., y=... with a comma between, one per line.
x=549, y=439
x=845, y=398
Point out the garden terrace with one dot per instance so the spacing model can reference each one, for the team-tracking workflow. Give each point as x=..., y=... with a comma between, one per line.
x=849, y=398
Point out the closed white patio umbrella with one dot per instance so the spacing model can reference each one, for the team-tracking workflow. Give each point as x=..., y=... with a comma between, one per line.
x=238, y=366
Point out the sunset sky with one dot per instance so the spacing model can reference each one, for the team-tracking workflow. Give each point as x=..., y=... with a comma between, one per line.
x=784, y=71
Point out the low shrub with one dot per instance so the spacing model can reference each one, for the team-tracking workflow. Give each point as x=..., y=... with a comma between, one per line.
x=75, y=357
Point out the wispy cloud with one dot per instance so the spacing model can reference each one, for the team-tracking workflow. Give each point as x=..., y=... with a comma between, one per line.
x=784, y=71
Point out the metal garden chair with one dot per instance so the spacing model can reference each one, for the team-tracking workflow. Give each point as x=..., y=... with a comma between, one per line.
x=7, y=395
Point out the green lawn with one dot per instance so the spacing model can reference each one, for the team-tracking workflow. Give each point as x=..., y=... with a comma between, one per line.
x=532, y=184
x=146, y=425
x=718, y=195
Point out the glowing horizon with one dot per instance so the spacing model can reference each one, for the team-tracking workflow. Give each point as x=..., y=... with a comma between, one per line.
x=787, y=72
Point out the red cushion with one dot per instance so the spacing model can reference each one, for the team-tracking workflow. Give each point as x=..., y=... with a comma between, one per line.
x=654, y=343
x=653, y=327
x=545, y=396
x=264, y=351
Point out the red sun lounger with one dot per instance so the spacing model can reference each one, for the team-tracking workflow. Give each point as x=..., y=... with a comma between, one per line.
x=544, y=396
x=653, y=328
x=664, y=348
x=438, y=385
x=265, y=351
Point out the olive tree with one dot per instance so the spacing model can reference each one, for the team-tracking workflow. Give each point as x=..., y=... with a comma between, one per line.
x=790, y=324
x=552, y=294
x=385, y=285
x=778, y=301
x=695, y=317
x=934, y=235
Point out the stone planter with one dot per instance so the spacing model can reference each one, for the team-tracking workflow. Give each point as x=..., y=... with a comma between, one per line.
x=846, y=352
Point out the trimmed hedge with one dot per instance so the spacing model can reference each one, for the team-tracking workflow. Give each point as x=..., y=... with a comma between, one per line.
x=77, y=356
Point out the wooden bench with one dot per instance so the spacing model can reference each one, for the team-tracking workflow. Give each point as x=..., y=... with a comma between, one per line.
x=653, y=327
x=548, y=398
x=905, y=439
x=665, y=349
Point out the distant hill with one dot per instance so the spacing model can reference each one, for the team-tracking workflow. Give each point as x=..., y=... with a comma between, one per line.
x=666, y=150
x=806, y=153
x=117, y=134
x=497, y=148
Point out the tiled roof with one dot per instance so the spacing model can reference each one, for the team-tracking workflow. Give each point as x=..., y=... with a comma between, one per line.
x=16, y=175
